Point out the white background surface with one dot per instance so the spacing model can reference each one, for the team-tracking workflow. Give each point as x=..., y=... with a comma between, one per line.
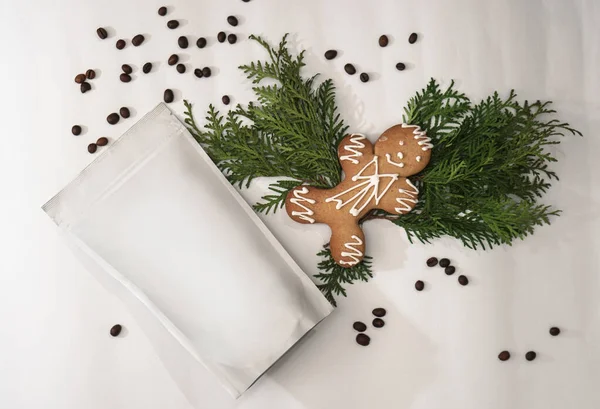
x=439, y=347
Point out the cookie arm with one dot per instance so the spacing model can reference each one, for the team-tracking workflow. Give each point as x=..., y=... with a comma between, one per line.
x=353, y=150
x=401, y=198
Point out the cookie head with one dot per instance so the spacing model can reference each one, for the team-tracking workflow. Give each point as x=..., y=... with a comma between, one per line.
x=403, y=149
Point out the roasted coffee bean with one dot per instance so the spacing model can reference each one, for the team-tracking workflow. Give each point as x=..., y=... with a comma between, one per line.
x=363, y=339
x=379, y=312
x=419, y=285
x=120, y=44
x=173, y=24
x=432, y=262
x=383, y=41
x=180, y=68
x=126, y=68
x=378, y=323
x=90, y=74
x=102, y=141
x=206, y=72
x=462, y=280
x=554, y=331
x=112, y=118
x=413, y=38
x=349, y=68
x=201, y=43
x=76, y=130
x=168, y=96
x=450, y=270
x=147, y=68
x=92, y=148
x=198, y=73
x=85, y=87
x=330, y=54
x=79, y=78
x=232, y=38
x=530, y=356
x=124, y=112
x=400, y=66
x=504, y=356
x=125, y=77
x=183, y=42
x=245, y=1
x=138, y=40
x=226, y=99
x=364, y=77
x=221, y=37
x=444, y=262
x=102, y=33
x=232, y=20
x=115, y=330
x=359, y=326
x=173, y=59
x=162, y=11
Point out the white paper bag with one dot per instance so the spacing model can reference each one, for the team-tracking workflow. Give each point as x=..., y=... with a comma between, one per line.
x=155, y=214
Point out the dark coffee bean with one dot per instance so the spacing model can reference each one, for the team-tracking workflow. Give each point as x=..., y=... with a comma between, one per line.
x=330, y=54
x=245, y=1
x=183, y=42
x=232, y=38
x=76, y=130
x=349, y=68
x=112, y=118
x=530, y=356
x=359, y=326
x=198, y=73
x=79, y=78
x=221, y=37
x=413, y=38
x=378, y=323
x=504, y=356
x=554, y=331
x=225, y=100
x=180, y=68
x=444, y=262
x=173, y=59
x=147, y=68
x=85, y=87
x=419, y=285
x=432, y=262
x=125, y=77
x=462, y=280
x=201, y=43
x=400, y=66
x=92, y=148
x=120, y=44
x=138, y=40
x=232, y=20
x=102, y=141
x=364, y=77
x=173, y=24
x=115, y=330
x=379, y=312
x=363, y=339
x=162, y=11
x=102, y=33
x=450, y=270
x=206, y=72
x=126, y=68
x=124, y=112
x=383, y=41
x=168, y=96
x=90, y=74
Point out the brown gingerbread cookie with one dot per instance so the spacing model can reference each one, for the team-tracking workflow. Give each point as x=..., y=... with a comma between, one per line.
x=376, y=178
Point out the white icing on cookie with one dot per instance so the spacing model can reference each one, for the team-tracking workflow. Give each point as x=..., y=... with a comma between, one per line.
x=297, y=201
x=388, y=157
x=354, y=254
x=401, y=143
x=422, y=139
x=418, y=158
x=412, y=198
x=353, y=147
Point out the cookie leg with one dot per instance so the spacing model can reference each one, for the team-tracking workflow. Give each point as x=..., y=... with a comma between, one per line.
x=347, y=244
x=302, y=205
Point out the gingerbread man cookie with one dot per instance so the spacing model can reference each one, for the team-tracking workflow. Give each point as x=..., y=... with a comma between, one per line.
x=376, y=178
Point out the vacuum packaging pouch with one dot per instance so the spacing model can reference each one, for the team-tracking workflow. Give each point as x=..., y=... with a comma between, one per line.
x=181, y=247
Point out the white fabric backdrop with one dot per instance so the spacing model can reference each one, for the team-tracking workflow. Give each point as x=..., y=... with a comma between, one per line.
x=439, y=347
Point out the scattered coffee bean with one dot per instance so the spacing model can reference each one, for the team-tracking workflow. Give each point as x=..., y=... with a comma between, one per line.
x=147, y=68
x=198, y=73
x=364, y=77
x=206, y=72
x=330, y=54
x=126, y=68
x=379, y=312
x=173, y=24
x=102, y=141
x=168, y=96
x=85, y=87
x=180, y=68
x=554, y=331
x=444, y=262
x=221, y=37
x=363, y=339
x=201, y=43
x=232, y=20
x=76, y=130
x=359, y=326
x=138, y=40
x=413, y=38
x=504, y=356
x=112, y=118
x=92, y=148
x=173, y=59
x=125, y=77
x=419, y=285
x=90, y=74
x=432, y=262
x=80, y=78
x=462, y=280
x=232, y=38
x=120, y=44
x=378, y=323
x=245, y=1
x=450, y=270
x=383, y=41
x=102, y=33
x=162, y=11
x=530, y=356
x=226, y=99
x=400, y=66
x=124, y=112
x=349, y=68
x=115, y=330
x=183, y=42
